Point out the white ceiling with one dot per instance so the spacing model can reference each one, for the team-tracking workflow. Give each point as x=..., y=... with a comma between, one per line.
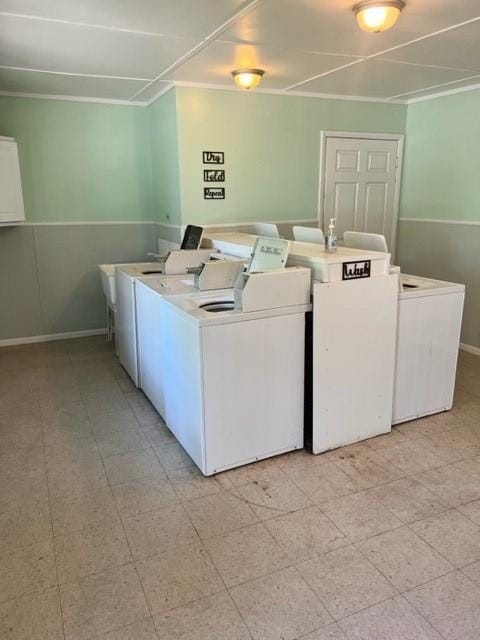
x=131, y=50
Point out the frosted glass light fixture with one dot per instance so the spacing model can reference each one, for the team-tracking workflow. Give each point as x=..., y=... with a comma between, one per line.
x=378, y=15
x=247, y=78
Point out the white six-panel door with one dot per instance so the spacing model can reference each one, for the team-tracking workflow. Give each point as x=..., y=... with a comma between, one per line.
x=360, y=185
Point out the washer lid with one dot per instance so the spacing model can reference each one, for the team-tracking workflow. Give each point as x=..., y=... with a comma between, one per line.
x=416, y=286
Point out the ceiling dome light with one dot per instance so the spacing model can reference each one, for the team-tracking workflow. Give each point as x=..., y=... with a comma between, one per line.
x=378, y=15
x=247, y=78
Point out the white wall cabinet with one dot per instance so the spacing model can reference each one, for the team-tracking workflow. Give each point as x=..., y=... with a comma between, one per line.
x=11, y=199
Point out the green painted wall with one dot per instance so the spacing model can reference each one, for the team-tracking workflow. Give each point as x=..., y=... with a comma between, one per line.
x=442, y=159
x=164, y=152
x=271, y=146
x=81, y=161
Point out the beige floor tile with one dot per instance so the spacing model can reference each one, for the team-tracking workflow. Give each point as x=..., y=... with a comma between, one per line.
x=104, y=388
x=118, y=421
x=360, y=516
x=451, y=484
x=14, y=464
x=76, y=478
x=471, y=510
x=92, y=550
x=98, y=404
x=451, y=604
x=472, y=571
x=143, y=630
x=189, y=483
x=453, y=535
x=470, y=465
x=255, y=472
x=386, y=441
x=86, y=510
x=369, y=469
x=280, y=605
x=345, y=581
x=408, y=499
x=26, y=569
x=67, y=453
x=414, y=456
x=62, y=410
x=133, y=466
x=117, y=442
x=158, y=434
x=36, y=616
x=390, y=620
x=454, y=449
x=102, y=602
x=246, y=554
x=421, y=428
x=213, y=618
x=330, y=632
x=404, y=558
x=219, y=513
x=274, y=496
x=15, y=438
x=306, y=534
x=27, y=490
x=143, y=495
x=146, y=414
x=65, y=427
x=178, y=576
x=159, y=530
x=24, y=525
x=322, y=482
x=173, y=456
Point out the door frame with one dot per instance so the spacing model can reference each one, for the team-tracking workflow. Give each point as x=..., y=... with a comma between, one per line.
x=399, y=138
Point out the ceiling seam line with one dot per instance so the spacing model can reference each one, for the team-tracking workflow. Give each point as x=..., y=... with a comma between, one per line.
x=203, y=43
x=75, y=74
x=380, y=53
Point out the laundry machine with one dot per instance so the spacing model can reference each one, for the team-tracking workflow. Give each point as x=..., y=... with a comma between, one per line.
x=428, y=336
x=211, y=279
x=234, y=378
x=176, y=264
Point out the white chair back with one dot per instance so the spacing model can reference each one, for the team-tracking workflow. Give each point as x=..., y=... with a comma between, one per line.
x=308, y=234
x=367, y=241
x=266, y=229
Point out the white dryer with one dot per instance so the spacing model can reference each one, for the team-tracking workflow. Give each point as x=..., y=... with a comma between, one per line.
x=428, y=336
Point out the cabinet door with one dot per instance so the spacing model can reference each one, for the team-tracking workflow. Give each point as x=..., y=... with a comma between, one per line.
x=11, y=200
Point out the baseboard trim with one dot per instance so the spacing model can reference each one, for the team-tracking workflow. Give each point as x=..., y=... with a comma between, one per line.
x=470, y=349
x=10, y=342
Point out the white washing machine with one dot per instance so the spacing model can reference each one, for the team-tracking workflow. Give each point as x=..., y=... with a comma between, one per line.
x=234, y=380
x=149, y=327
x=126, y=316
x=428, y=337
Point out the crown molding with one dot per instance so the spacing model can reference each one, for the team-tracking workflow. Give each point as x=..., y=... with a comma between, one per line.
x=443, y=94
x=220, y=87
x=286, y=92
x=47, y=96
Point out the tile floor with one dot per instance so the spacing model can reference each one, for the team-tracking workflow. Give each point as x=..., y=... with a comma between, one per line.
x=108, y=532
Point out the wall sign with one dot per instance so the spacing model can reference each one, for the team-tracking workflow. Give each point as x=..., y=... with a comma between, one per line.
x=356, y=270
x=214, y=175
x=214, y=193
x=213, y=157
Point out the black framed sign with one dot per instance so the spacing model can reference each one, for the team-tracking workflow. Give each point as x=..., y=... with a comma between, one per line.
x=214, y=175
x=213, y=157
x=214, y=193
x=356, y=270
